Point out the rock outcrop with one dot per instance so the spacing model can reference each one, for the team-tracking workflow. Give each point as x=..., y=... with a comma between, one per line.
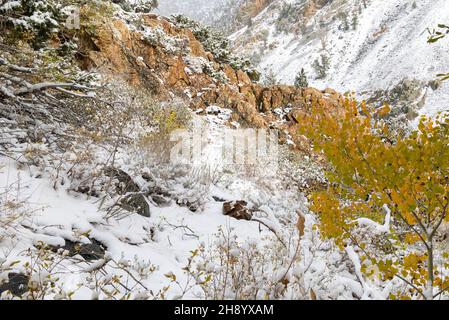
x=176, y=64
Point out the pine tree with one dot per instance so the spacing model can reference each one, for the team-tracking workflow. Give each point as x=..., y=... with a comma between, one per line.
x=355, y=21
x=301, y=79
x=270, y=79
x=344, y=20
x=321, y=66
x=140, y=6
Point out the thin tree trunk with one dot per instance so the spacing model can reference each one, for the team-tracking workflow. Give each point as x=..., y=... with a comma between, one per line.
x=430, y=269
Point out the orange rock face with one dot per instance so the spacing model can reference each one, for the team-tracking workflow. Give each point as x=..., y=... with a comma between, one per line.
x=122, y=52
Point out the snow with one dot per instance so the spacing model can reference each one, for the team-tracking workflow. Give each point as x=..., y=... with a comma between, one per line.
x=376, y=227
x=10, y=5
x=205, y=11
x=54, y=212
x=58, y=215
x=47, y=209
x=161, y=245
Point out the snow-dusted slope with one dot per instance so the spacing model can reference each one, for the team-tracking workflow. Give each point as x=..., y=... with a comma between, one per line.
x=36, y=210
x=52, y=216
x=388, y=45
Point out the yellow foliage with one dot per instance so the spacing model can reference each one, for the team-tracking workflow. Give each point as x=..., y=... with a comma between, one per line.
x=409, y=177
x=168, y=121
x=92, y=15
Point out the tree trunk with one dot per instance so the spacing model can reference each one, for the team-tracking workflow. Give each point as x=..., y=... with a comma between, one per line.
x=430, y=276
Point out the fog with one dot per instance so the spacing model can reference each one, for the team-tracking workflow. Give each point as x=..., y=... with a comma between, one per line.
x=201, y=10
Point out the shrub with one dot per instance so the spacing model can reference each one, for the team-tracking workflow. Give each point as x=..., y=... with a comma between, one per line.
x=35, y=20
x=245, y=270
x=217, y=44
x=144, y=6
x=390, y=199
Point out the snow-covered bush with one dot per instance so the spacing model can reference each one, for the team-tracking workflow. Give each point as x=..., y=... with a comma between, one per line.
x=37, y=273
x=163, y=120
x=301, y=266
x=202, y=65
x=301, y=79
x=269, y=78
x=231, y=269
x=13, y=209
x=216, y=43
x=288, y=17
x=36, y=22
x=219, y=75
x=170, y=44
x=34, y=19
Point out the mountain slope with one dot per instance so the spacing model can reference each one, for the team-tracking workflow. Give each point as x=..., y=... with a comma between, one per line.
x=387, y=44
x=226, y=15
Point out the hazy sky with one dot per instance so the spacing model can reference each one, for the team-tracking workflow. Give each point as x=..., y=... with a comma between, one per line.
x=196, y=9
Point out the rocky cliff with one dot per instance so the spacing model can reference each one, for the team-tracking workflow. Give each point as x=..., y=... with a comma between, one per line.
x=170, y=62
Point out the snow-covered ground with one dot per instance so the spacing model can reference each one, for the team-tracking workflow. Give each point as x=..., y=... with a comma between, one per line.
x=39, y=206
x=205, y=11
x=55, y=215
x=41, y=201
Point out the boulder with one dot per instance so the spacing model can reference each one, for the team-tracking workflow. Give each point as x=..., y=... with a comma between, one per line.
x=17, y=284
x=237, y=210
x=137, y=203
x=134, y=199
x=94, y=250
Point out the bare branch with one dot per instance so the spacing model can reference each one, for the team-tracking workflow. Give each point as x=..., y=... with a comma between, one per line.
x=15, y=67
x=271, y=229
x=50, y=85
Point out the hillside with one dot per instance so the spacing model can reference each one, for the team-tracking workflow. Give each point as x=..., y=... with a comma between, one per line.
x=146, y=156
x=225, y=15
x=370, y=49
x=87, y=184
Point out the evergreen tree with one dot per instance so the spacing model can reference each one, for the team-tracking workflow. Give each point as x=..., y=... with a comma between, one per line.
x=270, y=79
x=355, y=21
x=141, y=6
x=301, y=79
x=321, y=66
x=345, y=21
